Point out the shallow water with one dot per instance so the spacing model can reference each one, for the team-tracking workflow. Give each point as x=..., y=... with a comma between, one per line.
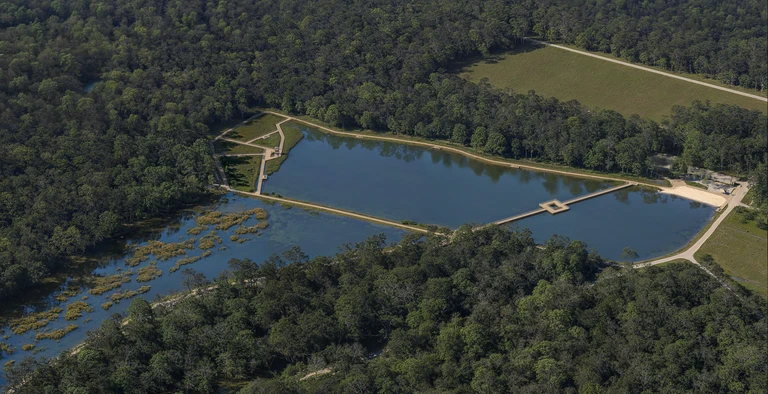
x=402, y=182
x=316, y=234
x=650, y=223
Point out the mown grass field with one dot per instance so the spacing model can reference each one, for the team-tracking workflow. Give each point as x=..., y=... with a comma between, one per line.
x=595, y=83
x=292, y=137
x=270, y=142
x=741, y=249
x=242, y=172
x=253, y=128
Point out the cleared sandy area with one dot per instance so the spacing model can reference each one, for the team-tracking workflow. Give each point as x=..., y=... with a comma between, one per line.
x=696, y=194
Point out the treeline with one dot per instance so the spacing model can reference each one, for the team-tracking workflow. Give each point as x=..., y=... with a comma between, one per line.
x=725, y=40
x=489, y=312
x=528, y=126
x=75, y=166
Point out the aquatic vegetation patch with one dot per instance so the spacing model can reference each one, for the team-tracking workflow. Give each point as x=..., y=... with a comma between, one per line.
x=119, y=296
x=184, y=261
x=242, y=230
x=6, y=348
x=67, y=294
x=224, y=222
x=148, y=273
x=34, y=321
x=161, y=250
x=75, y=310
x=107, y=305
x=27, y=347
x=197, y=230
x=103, y=284
x=56, y=334
x=209, y=240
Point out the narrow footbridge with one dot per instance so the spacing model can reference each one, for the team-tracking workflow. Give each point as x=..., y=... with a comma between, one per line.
x=564, y=205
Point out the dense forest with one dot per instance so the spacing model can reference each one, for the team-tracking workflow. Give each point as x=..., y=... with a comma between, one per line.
x=77, y=164
x=488, y=313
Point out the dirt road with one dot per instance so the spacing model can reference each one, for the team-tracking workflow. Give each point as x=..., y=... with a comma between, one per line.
x=648, y=69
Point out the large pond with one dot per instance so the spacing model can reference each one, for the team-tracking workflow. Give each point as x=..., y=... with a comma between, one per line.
x=404, y=182
x=316, y=234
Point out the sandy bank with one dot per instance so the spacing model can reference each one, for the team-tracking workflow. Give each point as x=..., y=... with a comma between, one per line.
x=696, y=194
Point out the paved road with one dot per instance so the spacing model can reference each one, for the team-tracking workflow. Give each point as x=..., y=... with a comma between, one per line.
x=687, y=254
x=709, y=85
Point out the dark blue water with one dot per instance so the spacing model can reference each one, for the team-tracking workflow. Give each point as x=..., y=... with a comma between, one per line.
x=402, y=182
x=316, y=234
x=652, y=224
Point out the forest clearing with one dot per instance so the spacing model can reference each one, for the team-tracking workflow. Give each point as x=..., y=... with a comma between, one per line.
x=595, y=83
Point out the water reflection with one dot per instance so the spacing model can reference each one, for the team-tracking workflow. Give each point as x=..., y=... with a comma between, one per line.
x=405, y=182
x=651, y=223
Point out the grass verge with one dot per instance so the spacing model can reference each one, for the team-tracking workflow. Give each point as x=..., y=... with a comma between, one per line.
x=293, y=135
x=741, y=249
x=256, y=127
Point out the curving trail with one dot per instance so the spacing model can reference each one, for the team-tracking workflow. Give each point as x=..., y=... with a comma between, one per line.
x=648, y=69
x=687, y=254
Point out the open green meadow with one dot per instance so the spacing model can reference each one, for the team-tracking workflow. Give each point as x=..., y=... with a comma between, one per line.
x=595, y=83
x=741, y=249
x=257, y=127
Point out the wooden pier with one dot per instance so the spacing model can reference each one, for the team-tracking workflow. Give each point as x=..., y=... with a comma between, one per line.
x=547, y=206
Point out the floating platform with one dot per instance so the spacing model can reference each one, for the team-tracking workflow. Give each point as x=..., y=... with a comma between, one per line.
x=554, y=206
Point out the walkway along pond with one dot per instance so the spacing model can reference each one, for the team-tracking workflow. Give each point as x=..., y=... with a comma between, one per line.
x=382, y=179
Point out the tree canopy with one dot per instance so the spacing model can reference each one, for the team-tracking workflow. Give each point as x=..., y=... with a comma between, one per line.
x=489, y=312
